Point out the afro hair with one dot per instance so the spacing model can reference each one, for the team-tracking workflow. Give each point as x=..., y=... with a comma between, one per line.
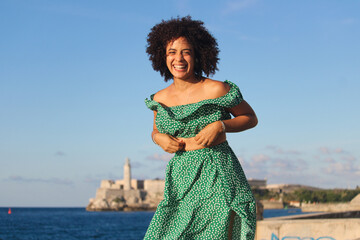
x=204, y=44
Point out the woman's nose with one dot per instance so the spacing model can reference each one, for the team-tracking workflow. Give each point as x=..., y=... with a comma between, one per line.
x=179, y=56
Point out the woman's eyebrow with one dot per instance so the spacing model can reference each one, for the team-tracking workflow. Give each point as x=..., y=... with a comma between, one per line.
x=188, y=49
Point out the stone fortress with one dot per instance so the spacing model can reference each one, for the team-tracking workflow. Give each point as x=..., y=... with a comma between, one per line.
x=127, y=194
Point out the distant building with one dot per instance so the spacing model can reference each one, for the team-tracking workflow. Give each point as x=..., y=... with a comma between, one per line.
x=128, y=193
x=258, y=183
x=288, y=188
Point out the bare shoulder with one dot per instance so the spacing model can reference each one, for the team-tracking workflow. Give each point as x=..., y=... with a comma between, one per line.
x=215, y=89
x=161, y=95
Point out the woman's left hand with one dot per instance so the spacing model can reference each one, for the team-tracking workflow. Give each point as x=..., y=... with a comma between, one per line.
x=208, y=134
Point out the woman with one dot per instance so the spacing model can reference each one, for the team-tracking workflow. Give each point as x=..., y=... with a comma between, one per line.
x=206, y=193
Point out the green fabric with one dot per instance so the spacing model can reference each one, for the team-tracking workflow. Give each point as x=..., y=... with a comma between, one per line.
x=202, y=186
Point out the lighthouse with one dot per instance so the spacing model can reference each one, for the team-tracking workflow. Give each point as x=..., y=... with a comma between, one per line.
x=127, y=174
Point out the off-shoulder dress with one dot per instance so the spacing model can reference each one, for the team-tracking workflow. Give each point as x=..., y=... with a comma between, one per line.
x=202, y=186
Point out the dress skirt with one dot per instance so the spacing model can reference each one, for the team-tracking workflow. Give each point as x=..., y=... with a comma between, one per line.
x=202, y=188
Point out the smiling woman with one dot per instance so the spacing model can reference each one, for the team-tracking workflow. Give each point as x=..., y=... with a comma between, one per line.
x=180, y=58
x=206, y=193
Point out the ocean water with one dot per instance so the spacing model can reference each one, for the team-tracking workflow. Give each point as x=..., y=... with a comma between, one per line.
x=76, y=223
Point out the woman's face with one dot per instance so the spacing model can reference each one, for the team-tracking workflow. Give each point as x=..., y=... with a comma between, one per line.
x=180, y=59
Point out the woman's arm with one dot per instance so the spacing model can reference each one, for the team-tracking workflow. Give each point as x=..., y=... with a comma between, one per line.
x=168, y=143
x=244, y=118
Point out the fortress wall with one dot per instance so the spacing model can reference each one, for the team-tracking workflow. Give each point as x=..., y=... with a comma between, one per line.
x=100, y=193
x=111, y=194
x=154, y=185
x=120, y=183
x=272, y=204
x=325, y=229
x=106, y=183
x=135, y=184
x=138, y=184
x=108, y=194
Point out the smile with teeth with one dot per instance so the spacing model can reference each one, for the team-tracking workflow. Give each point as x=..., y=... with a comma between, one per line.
x=180, y=67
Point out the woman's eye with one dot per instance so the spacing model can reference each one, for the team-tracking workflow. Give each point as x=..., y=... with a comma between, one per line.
x=186, y=53
x=171, y=53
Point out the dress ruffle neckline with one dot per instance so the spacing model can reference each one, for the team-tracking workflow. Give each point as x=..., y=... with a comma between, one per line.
x=232, y=98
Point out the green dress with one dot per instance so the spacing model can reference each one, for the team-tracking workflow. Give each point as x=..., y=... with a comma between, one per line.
x=202, y=186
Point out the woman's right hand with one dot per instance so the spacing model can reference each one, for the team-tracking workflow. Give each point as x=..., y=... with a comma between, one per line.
x=168, y=143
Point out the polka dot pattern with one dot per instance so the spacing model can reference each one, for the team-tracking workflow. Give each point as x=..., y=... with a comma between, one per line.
x=202, y=186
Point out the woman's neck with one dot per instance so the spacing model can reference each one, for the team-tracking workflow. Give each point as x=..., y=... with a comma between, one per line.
x=182, y=85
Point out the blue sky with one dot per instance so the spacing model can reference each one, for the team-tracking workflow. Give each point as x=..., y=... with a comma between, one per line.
x=74, y=76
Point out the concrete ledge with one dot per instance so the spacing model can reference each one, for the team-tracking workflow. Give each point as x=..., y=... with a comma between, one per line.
x=309, y=229
x=331, y=215
x=330, y=207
